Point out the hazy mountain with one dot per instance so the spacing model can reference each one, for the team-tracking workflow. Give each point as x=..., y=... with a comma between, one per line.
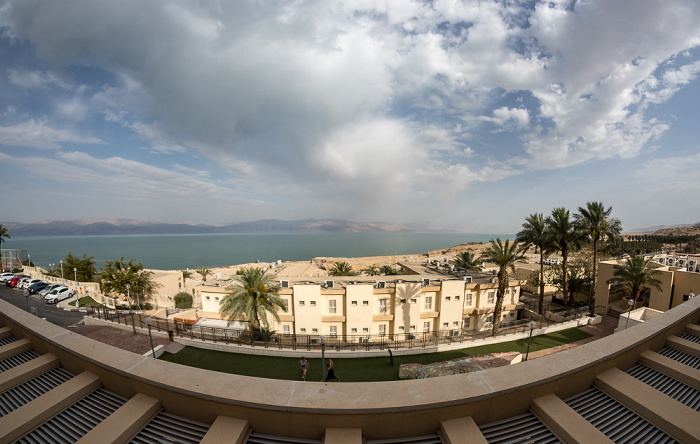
x=658, y=227
x=134, y=226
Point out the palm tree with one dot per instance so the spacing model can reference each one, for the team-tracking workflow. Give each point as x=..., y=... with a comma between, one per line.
x=534, y=233
x=186, y=274
x=372, y=270
x=342, y=269
x=204, y=272
x=636, y=275
x=4, y=234
x=595, y=222
x=468, y=261
x=504, y=255
x=253, y=296
x=565, y=238
x=388, y=270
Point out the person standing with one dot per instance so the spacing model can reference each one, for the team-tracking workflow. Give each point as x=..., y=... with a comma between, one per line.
x=303, y=367
x=331, y=372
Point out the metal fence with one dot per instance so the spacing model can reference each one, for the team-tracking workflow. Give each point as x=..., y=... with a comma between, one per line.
x=331, y=342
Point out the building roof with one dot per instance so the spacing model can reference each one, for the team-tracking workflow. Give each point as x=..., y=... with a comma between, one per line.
x=643, y=382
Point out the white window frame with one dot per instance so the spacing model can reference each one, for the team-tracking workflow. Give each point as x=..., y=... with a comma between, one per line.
x=426, y=326
x=334, y=330
x=491, y=297
x=428, y=302
x=331, y=306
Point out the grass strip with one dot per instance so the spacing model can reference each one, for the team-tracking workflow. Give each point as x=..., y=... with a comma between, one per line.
x=352, y=369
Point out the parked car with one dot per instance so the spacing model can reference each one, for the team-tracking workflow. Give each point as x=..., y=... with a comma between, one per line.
x=5, y=276
x=29, y=282
x=37, y=286
x=48, y=289
x=13, y=282
x=58, y=294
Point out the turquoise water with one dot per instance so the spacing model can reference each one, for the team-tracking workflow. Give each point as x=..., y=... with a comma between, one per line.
x=171, y=252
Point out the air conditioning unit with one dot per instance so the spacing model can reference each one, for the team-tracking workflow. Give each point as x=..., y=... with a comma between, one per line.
x=425, y=282
x=284, y=284
x=380, y=284
x=493, y=280
x=328, y=284
x=691, y=268
x=468, y=279
x=681, y=263
x=692, y=262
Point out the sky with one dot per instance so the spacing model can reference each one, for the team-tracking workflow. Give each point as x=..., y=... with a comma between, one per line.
x=465, y=115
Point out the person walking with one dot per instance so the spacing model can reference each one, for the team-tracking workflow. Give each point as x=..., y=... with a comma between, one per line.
x=331, y=372
x=303, y=367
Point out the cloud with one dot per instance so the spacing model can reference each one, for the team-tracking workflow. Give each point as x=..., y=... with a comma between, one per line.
x=34, y=79
x=40, y=134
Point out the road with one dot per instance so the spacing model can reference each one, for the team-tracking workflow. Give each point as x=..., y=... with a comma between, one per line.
x=50, y=312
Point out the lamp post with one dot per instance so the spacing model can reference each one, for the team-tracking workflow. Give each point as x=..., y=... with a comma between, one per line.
x=323, y=357
x=77, y=300
x=532, y=326
x=29, y=259
x=128, y=297
x=629, y=312
x=148, y=322
x=62, y=278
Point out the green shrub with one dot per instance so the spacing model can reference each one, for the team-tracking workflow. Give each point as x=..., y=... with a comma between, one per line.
x=183, y=300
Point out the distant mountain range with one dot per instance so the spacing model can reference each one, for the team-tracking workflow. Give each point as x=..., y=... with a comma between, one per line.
x=659, y=227
x=134, y=226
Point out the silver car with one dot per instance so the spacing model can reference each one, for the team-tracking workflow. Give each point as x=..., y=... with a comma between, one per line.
x=58, y=294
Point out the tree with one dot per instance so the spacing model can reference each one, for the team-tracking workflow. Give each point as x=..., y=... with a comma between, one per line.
x=183, y=300
x=186, y=274
x=504, y=255
x=388, y=270
x=563, y=236
x=372, y=270
x=468, y=261
x=341, y=269
x=117, y=274
x=635, y=275
x=595, y=222
x=3, y=235
x=253, y=296
x=534, y=233
x=85, y=266
x=204, y=272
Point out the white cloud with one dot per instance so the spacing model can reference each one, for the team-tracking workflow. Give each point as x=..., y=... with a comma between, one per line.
x=40, y=134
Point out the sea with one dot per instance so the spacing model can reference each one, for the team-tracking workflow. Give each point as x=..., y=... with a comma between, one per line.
x=179, y=252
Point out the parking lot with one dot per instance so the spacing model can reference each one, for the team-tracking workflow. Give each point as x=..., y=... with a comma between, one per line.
x=51, y=312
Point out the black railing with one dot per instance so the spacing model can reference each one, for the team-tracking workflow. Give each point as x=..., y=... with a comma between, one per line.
x=332, y=342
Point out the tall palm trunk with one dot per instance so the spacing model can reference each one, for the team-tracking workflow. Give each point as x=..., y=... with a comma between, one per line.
x=594, y=283
x=541, y=308
x=565, y=277
x=502, y=284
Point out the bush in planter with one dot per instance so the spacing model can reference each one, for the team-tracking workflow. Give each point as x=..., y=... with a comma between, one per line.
x=183, y=300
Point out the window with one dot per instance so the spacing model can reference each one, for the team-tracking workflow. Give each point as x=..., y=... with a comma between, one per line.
x=353, y=330
x=285, y=328
x=353, y=303
x=403, y=301
x=401, y=327
x=489, y=321
x=334, y=330
x=303, y=330
x=413, y=327
x=208, y=298
x=457, y=298
x=301, y=303
x=469, y=299
x=512, y=314
x=216, y=298
x=426, y=326
x=365, y=329
x=445, y=324
x=382, y=305
x=331, y=306
x=466, y=322
x=314, y=330
x=382, y=329
x=312, y=303
x=365, y=302
x=428, y=302
x=413, y=301
x=455, y=323
x=491, y=295
x=447, y=298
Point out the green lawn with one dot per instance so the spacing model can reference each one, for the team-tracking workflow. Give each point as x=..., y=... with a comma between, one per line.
x=351, y=369
x=85, y=301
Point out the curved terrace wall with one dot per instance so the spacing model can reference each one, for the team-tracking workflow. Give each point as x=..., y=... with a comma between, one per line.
x=379, y=409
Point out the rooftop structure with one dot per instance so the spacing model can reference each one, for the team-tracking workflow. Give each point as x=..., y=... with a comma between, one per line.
x=639, y=385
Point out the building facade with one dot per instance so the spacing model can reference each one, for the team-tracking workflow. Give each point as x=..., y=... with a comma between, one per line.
x=414, y=305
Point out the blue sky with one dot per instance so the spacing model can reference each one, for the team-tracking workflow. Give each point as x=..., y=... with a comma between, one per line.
x=465, y=115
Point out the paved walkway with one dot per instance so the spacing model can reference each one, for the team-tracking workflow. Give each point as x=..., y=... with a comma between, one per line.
x=598, y=331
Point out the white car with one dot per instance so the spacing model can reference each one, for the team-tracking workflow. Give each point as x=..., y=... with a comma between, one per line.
x=22, y=282
x=58, y=294
x=48, y=289
x=28, y=283
x=6, y=276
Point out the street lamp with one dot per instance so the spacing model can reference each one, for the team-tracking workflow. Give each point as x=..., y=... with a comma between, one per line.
x=75, y=275
x=532, y=326
x=629, y=312
x=148, y=322
x=323, y=357
x=29, y=259
x=62, y=278
x=128, y=297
